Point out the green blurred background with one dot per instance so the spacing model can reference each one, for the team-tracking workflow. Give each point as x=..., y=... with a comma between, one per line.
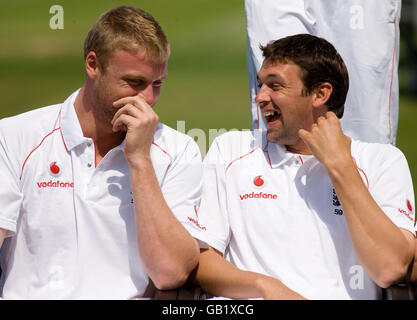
x=207, y=86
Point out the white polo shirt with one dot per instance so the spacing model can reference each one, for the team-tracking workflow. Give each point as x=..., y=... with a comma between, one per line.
x=71, y=222
x=276, y=213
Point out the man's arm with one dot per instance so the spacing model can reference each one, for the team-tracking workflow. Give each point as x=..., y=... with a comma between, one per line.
x=383, y=249
x=169, y=253
x=221, y=278
x=413, y=271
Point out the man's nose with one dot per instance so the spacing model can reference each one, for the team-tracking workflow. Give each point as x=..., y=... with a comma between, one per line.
x=148, y=94
x=263, y=95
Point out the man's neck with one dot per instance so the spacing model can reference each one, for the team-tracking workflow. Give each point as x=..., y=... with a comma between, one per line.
x=101, y=133
x=299, y=149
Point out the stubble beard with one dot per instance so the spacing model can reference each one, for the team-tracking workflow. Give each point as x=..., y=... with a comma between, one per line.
x=103, y=109
x=281, y=135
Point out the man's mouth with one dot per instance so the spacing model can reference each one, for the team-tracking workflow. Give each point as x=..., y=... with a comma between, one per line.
x=272, y=116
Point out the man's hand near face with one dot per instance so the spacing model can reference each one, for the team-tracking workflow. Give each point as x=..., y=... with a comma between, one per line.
x=139, y=120
x=327, y=142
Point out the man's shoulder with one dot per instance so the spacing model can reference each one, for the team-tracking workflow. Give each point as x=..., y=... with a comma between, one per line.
x=242, y=140
x=31, y=121
x=171, y=141
x=375, y=157
x=233, y=145
x=164, y=131
x=373, y=149
x=21, y=133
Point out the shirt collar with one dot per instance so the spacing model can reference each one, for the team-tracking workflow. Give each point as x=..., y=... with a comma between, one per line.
x=278, y=155
x=71, y=131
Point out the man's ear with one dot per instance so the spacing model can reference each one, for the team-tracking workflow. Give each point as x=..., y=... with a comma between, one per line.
x=92, y=65
x=322, y=94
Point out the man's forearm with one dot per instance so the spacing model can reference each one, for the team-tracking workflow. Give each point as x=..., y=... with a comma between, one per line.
x=382, y=248
x=168, y=251
x=413, y=271
x=219, y=277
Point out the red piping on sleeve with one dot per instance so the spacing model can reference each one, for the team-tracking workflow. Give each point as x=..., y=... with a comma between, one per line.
x=363, y=172
x=62, y=136
x=24, y=163
x=241, y=158
x=170, y=157
x=392, y=78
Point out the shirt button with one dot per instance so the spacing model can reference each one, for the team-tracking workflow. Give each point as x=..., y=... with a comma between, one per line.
x=89, y=144
x=89, y=165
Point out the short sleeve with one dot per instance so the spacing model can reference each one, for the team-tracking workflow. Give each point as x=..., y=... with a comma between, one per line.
x=10, y=194
x=182, y=189
x=213, y=208
x=392, y=188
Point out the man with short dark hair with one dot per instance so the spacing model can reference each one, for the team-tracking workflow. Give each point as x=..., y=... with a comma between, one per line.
x=96, y=194
x=365, y=32
x=302, y=210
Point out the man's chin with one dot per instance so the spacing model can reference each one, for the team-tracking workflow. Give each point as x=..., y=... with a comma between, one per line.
x=272, y=136
x=277, y=137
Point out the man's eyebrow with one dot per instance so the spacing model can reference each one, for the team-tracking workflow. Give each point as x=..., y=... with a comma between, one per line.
x=134, y=76
x=272, y=76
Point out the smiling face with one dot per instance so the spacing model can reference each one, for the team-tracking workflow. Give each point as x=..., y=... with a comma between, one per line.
x=128, y=73
x=284, y=104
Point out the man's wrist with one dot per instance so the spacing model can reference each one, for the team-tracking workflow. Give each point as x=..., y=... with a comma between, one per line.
x=339, y=168
x=140, y=162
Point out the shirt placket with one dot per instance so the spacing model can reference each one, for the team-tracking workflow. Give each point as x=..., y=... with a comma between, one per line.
x=87, y=166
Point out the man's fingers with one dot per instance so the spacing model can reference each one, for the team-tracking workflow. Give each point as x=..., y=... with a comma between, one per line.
x=321, y=120
x=330, y=114
x=127, y=109
x=129, y=116
x=122, y=122
x=305, y=135
x=137, y=101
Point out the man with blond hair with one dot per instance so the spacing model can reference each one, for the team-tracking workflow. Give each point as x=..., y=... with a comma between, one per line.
x=96, y=194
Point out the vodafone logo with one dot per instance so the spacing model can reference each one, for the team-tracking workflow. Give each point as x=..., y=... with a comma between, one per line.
x=258, y=182
x=196, y=221
x=258, y=195
x=409, y=206
x=54, y=169
x=406, y=214
x=54, y=184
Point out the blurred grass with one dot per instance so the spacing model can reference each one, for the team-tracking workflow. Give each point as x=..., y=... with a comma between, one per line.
x=207, y=86
x=207, y=82
x=407, y=133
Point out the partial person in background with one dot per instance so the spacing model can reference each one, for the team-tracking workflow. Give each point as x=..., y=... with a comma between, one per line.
x=302, y=210
x=365, y=33
x=96, y=194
